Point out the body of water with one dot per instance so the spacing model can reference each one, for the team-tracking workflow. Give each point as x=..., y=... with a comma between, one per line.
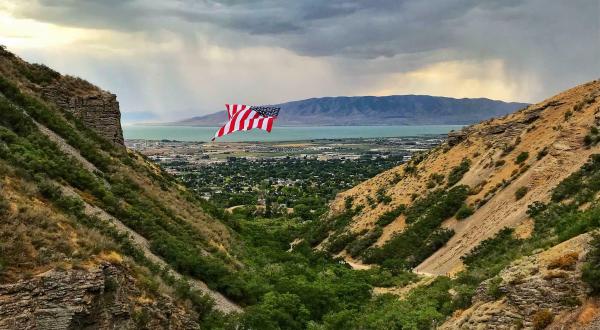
x=187, y=133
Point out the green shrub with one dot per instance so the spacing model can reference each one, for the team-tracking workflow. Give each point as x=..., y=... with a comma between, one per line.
x=458, y=172
x=491, y=255
x=389, y=216
x=521, y=192
x=38, y=73
x=493, y=289
x=591, y=269
x=542, y=153
x=371, y=202
x=588, y=139
x=587, y=179
x=464, y=212
x=522, y=157
x=382, y=197
x=423, y=235
x=500, y=163
x=4, y=205
x=397, y=177
x=357, y=247
x=277, y=311
x=594, y=130
x=339, y=243
x=507, y=150
x=348, y=202
x=568, y=115
x=410, y=169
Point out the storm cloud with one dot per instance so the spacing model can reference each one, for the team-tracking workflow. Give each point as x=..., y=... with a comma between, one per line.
x=183, y=57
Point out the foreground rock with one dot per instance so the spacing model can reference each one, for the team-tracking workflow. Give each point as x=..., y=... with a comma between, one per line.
x=103, y=297
x=540, y=290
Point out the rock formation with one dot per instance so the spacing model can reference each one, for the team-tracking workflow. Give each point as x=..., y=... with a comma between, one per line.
x=547, y=284
x=99, y=110
x=103, y=297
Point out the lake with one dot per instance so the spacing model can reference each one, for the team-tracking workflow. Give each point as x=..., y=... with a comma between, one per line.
x=187, y=133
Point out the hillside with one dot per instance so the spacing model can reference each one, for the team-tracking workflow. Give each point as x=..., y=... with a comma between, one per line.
x=378, y=110
x=94, y=235
x=526, y=153
x=506, y=210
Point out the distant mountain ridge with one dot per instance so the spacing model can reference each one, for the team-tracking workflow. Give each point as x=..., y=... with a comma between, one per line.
x=378, y=110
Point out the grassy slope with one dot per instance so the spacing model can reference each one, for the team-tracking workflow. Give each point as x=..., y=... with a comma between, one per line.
x=555, y=128
x=125, y=185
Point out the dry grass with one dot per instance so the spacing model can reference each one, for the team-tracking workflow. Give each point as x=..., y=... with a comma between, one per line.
x=565, y=262
x=589, y=312
x=542, y=319
x=493, y=187
x=35, y=237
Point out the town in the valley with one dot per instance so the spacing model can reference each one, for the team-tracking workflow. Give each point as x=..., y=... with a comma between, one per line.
x=296, y=178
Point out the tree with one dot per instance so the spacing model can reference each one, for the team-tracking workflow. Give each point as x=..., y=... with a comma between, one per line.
x=277, y=311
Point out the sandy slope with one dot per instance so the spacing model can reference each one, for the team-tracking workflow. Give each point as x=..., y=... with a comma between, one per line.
x=554, y=125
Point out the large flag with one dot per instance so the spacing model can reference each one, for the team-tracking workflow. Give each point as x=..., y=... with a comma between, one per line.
x=244, y=117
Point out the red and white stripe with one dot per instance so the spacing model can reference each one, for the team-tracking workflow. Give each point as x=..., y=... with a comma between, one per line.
x=242, y=118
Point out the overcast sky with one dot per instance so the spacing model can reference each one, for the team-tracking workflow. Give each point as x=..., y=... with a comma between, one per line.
x=170, y=59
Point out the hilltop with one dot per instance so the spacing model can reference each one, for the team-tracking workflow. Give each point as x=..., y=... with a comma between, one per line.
x=378, y=110
x=110, y=239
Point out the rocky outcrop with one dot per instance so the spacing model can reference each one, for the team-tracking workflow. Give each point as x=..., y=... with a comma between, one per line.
x=99, y=110
x=456, y=137
x=546, y=283
x=104, y=297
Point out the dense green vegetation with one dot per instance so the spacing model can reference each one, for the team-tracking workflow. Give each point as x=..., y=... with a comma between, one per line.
x=284, y=290
x=303, y=185
x=389, y=216
x=591, y=270
x=458, y=172
x=464, y=212
x=423, y=235
x=593, y=137
x=287, y=289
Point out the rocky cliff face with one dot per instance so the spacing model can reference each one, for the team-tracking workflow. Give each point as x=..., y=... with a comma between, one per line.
x=97, y=109
x=103, y=297
x=535, y=292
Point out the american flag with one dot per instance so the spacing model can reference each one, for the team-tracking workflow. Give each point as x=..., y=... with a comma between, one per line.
x=243, y=117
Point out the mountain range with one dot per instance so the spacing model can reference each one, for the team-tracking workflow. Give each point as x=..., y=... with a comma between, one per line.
x=377, y=110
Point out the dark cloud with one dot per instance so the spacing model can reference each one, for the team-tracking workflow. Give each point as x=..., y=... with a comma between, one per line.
x=555, y=42
x=350, y=28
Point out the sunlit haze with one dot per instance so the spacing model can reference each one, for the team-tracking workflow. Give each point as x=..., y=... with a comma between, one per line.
x=168, y=60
